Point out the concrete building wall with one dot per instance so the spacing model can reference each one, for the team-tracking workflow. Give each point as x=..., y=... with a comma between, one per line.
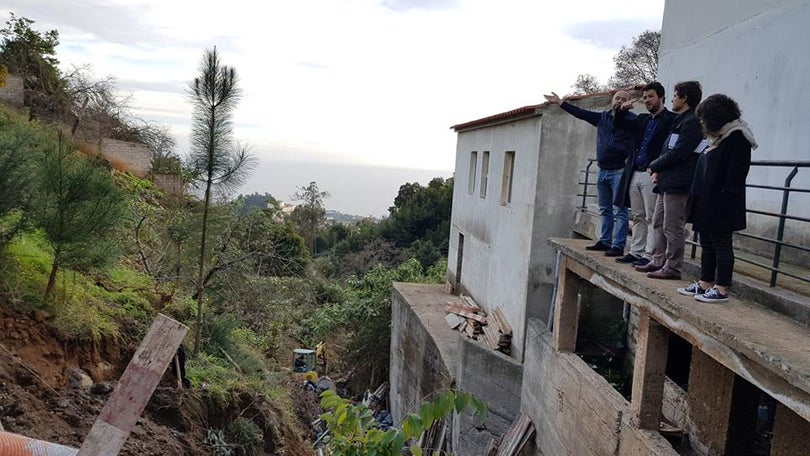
x=566, y=145
x=506, y=261
x=12, y=92
x=494, y=378
x=753, y=51
x=497, y=237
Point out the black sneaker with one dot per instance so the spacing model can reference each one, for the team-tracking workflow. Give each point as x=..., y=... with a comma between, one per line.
x=599, y=246
x=641, y=262
x=712, y=295
x=614, y=252
x=692, y=290
x=629, y=258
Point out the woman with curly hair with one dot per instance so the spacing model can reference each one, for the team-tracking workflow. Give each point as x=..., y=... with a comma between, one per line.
x=717, y=196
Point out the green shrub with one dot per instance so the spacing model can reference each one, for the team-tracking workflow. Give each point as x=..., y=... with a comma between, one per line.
x=247, y=436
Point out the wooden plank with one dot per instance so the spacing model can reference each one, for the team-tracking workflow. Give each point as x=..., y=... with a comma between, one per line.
x=502, y=322
x=566, y=309
x=470, y=329
x=465, y=312
x=134, y=388
x=649, y=371
x=516, y=436
x=470, y=302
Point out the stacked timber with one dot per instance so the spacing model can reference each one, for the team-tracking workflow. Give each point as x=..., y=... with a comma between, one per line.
x=469, y=318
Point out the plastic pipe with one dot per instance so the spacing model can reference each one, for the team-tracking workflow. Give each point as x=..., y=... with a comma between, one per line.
x=18, y=445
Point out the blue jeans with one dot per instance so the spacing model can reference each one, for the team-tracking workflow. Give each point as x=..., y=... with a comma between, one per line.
x=612, y=233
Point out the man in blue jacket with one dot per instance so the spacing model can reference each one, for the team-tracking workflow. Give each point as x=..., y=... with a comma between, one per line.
x=651, y=130
x=613, y=145
x=672, y=174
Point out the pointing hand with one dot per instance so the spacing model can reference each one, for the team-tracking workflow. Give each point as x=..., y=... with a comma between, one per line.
x=553, y=98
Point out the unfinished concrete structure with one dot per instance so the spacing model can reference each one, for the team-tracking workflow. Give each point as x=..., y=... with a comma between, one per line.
x=719, y=377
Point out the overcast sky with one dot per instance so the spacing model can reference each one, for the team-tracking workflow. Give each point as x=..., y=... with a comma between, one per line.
x=375, y=83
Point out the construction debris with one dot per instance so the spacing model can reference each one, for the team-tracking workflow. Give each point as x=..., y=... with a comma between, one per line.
x=516, y=436
x=434, y=439
x=469, y=318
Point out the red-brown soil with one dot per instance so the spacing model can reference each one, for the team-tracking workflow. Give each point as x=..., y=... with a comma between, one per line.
x=37, y=401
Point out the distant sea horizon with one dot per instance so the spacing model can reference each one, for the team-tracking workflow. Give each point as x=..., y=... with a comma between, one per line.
x=355, y=189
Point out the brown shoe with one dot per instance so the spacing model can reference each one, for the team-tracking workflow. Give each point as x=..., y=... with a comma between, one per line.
x=649, y=267
x=665, y=274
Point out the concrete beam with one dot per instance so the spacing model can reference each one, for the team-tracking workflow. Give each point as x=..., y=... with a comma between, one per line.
x=766, y=349
x=649, y=372
x=566, y=310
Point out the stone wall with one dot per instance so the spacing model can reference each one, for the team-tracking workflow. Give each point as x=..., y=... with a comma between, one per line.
x=12, y=93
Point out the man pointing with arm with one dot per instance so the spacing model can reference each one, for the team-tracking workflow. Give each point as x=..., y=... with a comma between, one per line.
x=613, y=145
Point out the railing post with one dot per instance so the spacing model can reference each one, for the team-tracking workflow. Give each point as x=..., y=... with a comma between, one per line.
x=585, y=189
x=780, y=231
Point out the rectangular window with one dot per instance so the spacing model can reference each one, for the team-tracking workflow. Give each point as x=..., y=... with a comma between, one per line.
x=473, y=164
x=508, y=171
x=484, y=174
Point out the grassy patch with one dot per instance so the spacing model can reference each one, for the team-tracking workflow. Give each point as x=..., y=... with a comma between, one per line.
x=81, y=309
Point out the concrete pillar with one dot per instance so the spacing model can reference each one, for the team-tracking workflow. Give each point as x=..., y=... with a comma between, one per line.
x=722, y=407
x=566, y=310
x=649, y=371
x=790, y=433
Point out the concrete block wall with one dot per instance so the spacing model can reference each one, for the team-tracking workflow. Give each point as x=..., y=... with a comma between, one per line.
x=494, y=378
x=133, y=157
x=12, y=93
x=575, y=410
x=123, y=155
x=170, y=183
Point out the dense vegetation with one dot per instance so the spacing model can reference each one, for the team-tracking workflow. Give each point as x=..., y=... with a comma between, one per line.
x=102, y=251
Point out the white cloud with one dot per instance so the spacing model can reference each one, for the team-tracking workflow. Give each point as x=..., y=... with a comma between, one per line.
x=376, y=82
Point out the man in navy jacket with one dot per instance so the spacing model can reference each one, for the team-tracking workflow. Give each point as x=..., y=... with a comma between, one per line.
x=613, y=145
x=650, y=130
x=672, y=173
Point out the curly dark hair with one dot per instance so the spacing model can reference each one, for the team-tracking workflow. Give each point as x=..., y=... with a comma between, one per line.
x=690, y=90
x=717, y=110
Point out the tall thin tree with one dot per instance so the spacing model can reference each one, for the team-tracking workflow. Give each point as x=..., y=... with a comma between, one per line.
x=216, y=159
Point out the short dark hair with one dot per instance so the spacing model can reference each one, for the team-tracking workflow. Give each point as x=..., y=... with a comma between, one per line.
x=655, y=85
x=691, y=91
x=716, y=111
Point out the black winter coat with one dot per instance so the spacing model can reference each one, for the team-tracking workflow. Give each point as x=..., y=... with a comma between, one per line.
x=717, y=198
x=637, y=124
x=676, y=165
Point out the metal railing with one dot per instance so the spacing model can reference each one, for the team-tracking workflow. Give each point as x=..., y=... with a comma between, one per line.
x=777, y=242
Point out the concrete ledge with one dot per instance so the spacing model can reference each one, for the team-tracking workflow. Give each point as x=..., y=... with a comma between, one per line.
x=424, y=350
x=778, y=299
x=766, y=348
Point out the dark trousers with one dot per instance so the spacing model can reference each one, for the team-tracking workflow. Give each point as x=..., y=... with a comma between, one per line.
x=717, y=259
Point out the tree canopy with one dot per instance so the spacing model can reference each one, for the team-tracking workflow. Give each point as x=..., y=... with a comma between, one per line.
x=32, y=55
x=635, y=64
